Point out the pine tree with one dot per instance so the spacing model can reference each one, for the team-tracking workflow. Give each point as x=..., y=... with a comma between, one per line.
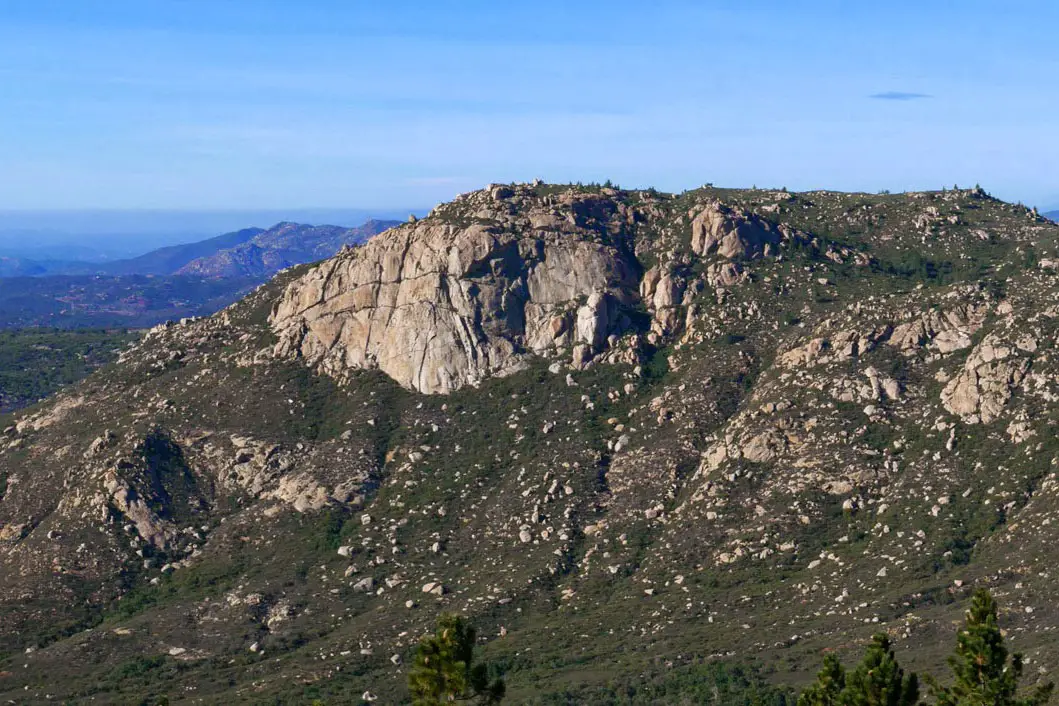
x=444, y=670
x=879, y=681
x=828, y=686
x=983, y=674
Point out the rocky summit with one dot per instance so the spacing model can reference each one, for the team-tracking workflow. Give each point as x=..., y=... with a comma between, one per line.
x=630, y=435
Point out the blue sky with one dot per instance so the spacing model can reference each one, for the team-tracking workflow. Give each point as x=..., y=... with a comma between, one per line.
x=225, y=104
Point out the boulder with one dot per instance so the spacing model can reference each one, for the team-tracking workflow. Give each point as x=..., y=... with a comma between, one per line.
x=733, y=234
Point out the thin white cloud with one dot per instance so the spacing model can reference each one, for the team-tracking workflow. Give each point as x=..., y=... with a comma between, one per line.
x=899, y=96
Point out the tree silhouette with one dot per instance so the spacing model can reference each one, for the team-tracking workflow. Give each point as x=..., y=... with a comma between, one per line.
x=827, y=688
x=983, y=674
x=877, y=681
x=444, y=669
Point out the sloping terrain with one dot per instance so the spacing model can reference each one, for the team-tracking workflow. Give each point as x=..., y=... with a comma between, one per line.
x=634, y=436
x=280, y=247
x=144, y=291
x=251, y=253
x=35, y=363
x=19, y=267
x=98, y=301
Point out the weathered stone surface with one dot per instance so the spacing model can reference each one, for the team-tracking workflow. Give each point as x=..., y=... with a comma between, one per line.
x=438, y=307
x=946, y=331
x=793, y=427
x=983, y=387
x=732, y=233
x=283, y=245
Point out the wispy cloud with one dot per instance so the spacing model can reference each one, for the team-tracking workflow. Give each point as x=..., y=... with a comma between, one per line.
x=899, y=96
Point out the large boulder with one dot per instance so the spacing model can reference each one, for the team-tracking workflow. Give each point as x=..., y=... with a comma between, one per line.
x=732, y=233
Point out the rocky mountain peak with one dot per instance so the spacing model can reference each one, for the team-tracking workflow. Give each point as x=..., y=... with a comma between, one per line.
x=672, y=432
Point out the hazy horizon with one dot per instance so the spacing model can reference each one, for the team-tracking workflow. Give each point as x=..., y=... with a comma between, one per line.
x=96, y=234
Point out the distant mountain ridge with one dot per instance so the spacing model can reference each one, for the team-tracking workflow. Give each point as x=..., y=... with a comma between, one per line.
x=167, y=260
x=173, y=282
x=161, y=261
x=20, y=267
x=108, y=235
x=1052, y=216
x=282, y=246
x=249, y=252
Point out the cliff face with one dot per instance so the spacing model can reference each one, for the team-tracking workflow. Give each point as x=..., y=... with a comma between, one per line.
x=438, y=305
x=627, y=433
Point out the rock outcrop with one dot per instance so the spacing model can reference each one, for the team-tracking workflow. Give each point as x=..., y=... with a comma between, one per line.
x=732, y=233
x=980, y=391
x=437, y=307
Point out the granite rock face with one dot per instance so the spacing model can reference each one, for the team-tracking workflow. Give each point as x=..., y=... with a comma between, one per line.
x=438, y=306
x=980, y=391
x=732, y=233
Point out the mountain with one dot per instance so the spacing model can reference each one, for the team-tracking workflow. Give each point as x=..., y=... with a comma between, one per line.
x=19, y=267
x=250, y=252
x=175, y=282
x=1052, y=215
x=162, y=261
x=105, y=235
x=168, y=260
x=280, y=247
x=650, y=444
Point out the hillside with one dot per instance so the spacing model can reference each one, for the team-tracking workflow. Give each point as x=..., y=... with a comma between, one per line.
x=144, y=291
x=250, y=253
x=282, y=246
x=97, y=301
x=20, y=267
x=638, y=438
x=35, y=363
x=161, y=261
